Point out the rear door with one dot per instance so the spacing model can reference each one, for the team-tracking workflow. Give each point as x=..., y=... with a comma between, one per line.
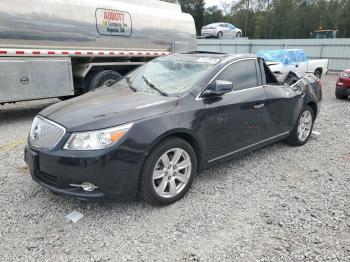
x=282, y=103
x=225, y=30
x=237, y=119
x=302, y=61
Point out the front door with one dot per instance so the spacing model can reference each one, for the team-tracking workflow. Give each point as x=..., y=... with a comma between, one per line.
x=237, y=119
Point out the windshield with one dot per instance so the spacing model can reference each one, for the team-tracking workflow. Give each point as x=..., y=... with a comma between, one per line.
x=167, y=76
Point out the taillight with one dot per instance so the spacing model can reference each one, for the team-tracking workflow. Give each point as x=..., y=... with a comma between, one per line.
x=340, y=83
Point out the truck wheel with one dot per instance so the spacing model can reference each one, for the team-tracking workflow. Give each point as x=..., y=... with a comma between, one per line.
x=318, y=73
x=220, y=35
x=168, y=172
x=303, y=128
x=103, y=78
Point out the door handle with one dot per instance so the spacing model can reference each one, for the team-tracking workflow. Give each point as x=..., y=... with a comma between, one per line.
x=259, y=106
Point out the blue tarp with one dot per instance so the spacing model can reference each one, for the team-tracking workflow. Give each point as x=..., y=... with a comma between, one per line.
x=285, y=56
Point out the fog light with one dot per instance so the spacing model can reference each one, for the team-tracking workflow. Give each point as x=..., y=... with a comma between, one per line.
x=86, y=186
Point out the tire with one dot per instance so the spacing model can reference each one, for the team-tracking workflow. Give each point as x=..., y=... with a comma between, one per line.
x=102, y=78
x=220, y=35
x=318, y=73
x=169, y=174
x=239, y=34
x=295, y=138
x=338, y=95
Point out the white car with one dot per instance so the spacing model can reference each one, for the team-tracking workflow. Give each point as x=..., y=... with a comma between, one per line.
x=221, y=30
x=295, y=60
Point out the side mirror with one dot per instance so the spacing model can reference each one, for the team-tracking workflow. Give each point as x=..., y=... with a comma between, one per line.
x=221, y=87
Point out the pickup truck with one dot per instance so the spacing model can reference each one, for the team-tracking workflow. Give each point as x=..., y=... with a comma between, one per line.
x=295, y=60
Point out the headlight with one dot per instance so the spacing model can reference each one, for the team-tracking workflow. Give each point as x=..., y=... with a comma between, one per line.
x=345, y=75
x=96, y=140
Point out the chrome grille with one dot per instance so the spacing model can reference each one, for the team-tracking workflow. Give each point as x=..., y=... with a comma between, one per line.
x=45, y=134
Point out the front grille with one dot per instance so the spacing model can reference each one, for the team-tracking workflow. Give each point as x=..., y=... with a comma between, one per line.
x=47, y=179
x=45, y=134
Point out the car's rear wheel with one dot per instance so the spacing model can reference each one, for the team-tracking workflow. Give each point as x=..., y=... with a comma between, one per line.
x=239, y=34
x=303, y=129
x=168, y=172
x=103, y=78
x=220, y=35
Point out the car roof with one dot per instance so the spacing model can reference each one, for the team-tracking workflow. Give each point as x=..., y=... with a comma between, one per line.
x=219, y=23
x=223, y=57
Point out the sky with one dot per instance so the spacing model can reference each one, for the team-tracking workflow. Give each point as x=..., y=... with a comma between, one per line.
x=216, y=2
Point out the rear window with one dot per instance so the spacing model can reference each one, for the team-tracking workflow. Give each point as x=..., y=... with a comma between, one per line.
x=301, y=56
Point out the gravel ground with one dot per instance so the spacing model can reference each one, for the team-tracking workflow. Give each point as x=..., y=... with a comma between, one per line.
x=277, y=204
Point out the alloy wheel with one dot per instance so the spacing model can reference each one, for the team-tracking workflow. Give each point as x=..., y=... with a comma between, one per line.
x=305, y=126
x=172, y=173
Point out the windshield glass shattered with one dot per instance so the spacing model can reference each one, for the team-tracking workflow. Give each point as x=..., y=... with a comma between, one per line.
x=168, y=75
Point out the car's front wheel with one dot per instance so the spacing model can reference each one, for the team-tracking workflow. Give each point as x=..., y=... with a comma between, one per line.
x=168, y=172
x=303, y=129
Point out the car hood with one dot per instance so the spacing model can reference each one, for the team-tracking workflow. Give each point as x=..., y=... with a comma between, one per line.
x=107, y=107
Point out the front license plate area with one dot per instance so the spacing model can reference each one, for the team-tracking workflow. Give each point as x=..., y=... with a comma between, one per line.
x=31, y=158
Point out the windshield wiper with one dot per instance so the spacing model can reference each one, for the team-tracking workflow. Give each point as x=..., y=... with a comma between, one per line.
x=154, y=87
x=130, y=84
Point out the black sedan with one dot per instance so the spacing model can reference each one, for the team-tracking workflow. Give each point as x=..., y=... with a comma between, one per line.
x=149, y=134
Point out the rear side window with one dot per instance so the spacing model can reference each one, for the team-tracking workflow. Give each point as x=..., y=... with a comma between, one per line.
x=293, y=57
x=243, y=74
x=301, y=56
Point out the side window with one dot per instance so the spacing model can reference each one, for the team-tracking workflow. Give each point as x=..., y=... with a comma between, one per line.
x=302, y=56
x=242, y=74
x=293, y=57
x=286, y=60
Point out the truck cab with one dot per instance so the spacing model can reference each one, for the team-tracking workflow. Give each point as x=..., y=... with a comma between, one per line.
x=293, y=60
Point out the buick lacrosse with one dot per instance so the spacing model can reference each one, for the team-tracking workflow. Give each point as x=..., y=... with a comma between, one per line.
x=149, y=133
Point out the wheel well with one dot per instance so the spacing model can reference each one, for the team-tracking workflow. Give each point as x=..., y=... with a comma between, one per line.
x=189, y=139
x=319, y=69
x=313, y=107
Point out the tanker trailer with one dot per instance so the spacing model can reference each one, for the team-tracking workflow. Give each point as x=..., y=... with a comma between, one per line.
x=61, y=48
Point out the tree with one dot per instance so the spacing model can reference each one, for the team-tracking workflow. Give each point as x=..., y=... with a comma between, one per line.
x=275, y=18
x=196, y=8
x=213, y=14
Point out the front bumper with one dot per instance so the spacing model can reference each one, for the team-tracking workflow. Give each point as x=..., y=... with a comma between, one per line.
x=115, y=173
